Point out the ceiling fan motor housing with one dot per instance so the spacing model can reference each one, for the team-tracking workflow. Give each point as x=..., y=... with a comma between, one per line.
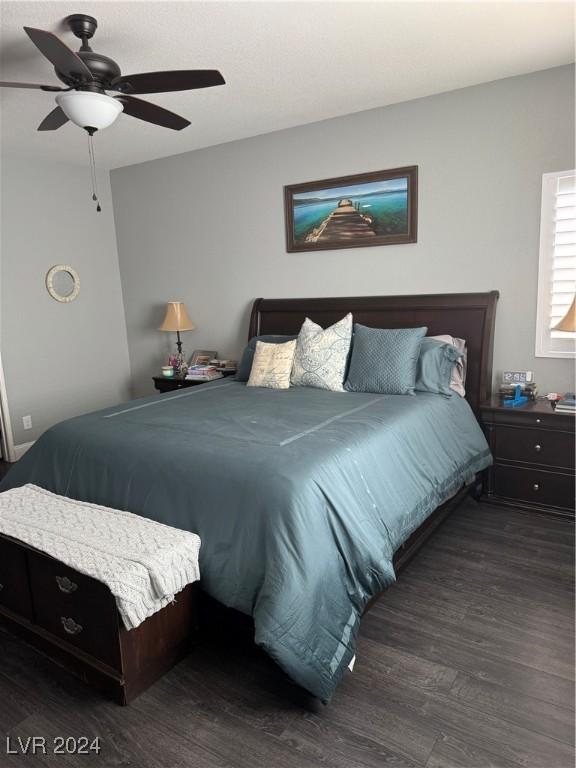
x=103, y=68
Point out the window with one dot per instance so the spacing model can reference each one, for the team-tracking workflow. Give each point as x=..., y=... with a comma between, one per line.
x=557, y=266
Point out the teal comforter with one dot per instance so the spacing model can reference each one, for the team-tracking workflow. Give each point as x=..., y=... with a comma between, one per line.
x=300, y=496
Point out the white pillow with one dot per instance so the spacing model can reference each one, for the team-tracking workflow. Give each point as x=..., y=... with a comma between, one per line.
x=272, y=365
x=321, y=355
x=458, y=377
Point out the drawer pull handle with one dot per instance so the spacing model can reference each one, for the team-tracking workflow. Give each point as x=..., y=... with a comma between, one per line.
x=538, y=421
x=536, y=487
x=70, y=626
x=65, y=585
x=537, y=448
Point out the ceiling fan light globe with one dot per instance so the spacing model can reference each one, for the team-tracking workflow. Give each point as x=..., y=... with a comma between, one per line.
x=88, y=109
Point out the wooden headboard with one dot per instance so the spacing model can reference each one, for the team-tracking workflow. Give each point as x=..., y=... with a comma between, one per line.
x=469, y=316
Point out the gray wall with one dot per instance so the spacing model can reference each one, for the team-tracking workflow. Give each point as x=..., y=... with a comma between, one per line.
x=60, y=360
x=207, y=227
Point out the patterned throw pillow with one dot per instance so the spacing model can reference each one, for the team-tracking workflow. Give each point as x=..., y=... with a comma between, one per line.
x=272, y=365
x=321, y=355
x=384, y=360
x=248, y=355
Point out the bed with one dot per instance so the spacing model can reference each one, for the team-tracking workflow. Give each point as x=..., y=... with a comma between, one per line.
x=303, y=498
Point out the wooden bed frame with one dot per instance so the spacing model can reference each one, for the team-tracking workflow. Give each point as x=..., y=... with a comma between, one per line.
x=469, y=316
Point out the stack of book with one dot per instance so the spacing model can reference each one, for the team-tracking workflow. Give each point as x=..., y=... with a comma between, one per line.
x=203, y=373
x=508, y=391
x=226, y=366
x=567, y=404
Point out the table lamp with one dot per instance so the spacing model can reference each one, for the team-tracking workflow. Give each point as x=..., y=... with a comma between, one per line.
x=177, y=319
x=568, y=322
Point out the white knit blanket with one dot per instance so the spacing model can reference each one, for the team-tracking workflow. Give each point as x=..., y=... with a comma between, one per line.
x=144, y=563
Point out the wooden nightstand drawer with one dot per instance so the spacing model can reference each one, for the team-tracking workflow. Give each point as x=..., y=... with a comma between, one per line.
x=538, y=487
x=14, y=585
x=172, y=383
x=542, y=417
x=75, y=608
x=534, y=446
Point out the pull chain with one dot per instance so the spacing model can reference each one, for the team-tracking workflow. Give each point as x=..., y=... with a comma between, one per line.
x=93, y=172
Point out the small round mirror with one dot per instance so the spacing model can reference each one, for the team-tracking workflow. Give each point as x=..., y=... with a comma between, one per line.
x=63, y=283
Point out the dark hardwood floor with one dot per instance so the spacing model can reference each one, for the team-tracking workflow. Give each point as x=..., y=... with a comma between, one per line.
x=466, y=662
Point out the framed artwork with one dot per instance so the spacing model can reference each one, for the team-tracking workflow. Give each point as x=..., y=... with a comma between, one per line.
x=202, y=357
x=378, y=208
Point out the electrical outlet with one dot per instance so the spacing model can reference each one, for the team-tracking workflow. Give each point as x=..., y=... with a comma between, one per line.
x=27, y=422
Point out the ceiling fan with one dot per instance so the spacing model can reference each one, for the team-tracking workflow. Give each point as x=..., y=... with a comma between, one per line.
x=88, y=75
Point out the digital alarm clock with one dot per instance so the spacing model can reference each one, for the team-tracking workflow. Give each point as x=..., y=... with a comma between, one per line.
x=518, y=377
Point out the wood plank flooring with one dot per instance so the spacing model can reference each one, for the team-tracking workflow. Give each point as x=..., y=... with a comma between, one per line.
x=467, y=662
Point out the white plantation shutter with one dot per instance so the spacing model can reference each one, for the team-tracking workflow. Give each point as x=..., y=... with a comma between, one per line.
x=557, y=266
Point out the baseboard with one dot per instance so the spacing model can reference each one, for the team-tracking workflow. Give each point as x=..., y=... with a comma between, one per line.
x=20, y=450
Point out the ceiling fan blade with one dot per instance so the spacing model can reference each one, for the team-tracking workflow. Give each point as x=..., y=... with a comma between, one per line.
x=63, y=58
x=163, y=82
x=152, y=113
x=33, y=85
x=56, y=119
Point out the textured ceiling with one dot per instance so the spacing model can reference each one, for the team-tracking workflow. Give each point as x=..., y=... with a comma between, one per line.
x=286, y=63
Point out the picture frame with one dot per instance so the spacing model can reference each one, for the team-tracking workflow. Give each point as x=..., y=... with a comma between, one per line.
x=202, y=357
x=366, y=209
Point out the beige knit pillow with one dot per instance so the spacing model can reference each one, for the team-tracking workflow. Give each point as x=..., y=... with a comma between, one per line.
x=272, y=365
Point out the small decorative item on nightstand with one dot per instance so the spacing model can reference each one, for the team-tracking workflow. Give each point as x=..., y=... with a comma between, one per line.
x=178, y=364
x=533, y=449
x=517, y=400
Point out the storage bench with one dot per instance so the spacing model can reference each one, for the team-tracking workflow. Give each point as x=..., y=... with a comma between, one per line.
x=74, y=619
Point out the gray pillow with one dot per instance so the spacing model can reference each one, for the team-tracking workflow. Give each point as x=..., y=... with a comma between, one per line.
x=458, y=378
x=247, y=358
x=384, y=360
x=435, y=366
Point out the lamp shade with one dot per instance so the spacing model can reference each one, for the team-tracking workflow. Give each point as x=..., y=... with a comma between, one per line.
x=89, y=110
x=568, y=322
x=176, y=318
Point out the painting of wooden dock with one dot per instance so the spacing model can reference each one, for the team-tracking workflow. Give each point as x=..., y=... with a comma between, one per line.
x=378, y=208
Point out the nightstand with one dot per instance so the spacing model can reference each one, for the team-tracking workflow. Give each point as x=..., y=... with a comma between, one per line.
x=169, y=384
x=533, y=450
